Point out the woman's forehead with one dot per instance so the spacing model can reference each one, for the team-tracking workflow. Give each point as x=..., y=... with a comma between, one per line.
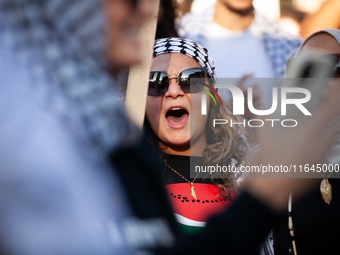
x=323, y=41
x=173, y=62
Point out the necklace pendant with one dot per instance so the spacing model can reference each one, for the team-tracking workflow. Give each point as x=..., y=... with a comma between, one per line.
x=326, y=191
x=193, y=193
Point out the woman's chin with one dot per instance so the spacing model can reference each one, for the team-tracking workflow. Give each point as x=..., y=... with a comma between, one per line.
x=176, y=145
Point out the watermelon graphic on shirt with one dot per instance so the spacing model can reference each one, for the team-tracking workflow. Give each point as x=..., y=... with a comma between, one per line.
x=193, y=214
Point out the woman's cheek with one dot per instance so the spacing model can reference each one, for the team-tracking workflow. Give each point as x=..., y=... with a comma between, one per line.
x=196, y=106
x=153, y=111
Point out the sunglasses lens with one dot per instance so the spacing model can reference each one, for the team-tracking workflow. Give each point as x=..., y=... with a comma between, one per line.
x=335, y=60
x=158, y=83
x=336, y=67
x=192, y=73
x=336, y=73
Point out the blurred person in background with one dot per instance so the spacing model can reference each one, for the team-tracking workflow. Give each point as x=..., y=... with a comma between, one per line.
x=290, y=20
x=328, y=16
x=316, y=220
x=166, y=19
x=242, y=42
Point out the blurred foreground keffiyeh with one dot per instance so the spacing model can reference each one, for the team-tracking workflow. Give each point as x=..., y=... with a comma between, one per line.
x=62, y=44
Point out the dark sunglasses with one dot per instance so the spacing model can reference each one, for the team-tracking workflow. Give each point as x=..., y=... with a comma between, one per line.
x=159, y=81
x=335, y=60
x=332, y=58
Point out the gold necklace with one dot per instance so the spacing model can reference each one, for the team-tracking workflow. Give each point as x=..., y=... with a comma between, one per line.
x=193, y=193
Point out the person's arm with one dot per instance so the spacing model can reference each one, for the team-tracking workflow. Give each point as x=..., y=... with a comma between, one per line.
x=328, y=16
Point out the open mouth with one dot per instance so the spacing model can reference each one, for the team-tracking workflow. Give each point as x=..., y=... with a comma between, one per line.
x=177, y=116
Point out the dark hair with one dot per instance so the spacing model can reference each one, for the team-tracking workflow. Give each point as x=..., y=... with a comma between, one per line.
x=166, y=20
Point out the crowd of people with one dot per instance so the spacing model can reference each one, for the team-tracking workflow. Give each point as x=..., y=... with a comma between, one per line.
x=77, y=177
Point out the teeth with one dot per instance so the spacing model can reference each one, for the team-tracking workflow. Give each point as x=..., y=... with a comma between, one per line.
x=176, y=108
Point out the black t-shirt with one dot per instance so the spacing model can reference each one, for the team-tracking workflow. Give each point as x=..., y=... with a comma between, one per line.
x=239, y=230
x=181, y=164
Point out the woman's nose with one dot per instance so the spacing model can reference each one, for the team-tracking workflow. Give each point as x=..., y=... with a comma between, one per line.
x=174, y=89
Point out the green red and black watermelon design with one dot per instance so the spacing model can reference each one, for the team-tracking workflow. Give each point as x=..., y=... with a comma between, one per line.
x=192, y=214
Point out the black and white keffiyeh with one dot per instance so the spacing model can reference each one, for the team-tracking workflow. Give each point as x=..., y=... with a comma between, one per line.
x=187, y=47
x=61, y=43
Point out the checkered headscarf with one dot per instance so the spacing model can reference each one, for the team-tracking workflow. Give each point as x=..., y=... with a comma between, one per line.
x=187, y=47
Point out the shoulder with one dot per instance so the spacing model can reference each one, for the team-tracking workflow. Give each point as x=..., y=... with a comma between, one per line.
x=192, y=24
x=272, y=29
